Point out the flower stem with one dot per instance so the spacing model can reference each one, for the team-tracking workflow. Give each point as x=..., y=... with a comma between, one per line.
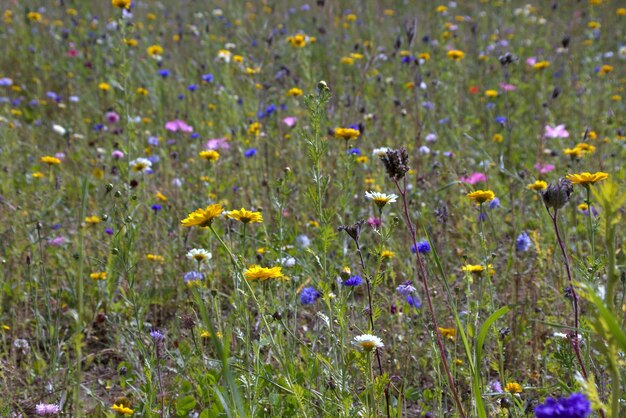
x=424, y=278
x=590, y=225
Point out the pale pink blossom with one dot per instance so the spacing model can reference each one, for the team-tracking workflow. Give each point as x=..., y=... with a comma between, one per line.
x=531, y=61
x=558, y=131
x=290, y=121
x=474, y=178
x=178, y=125
x=507, y=87
x=544, y=168
x=217, y=143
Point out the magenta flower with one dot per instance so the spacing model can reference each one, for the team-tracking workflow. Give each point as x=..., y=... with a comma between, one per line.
x=544, y=168
x=178, y=125
x=558, y=131
x=58, y=241
x=111, y=117
x=46, y=409
x=117, y=154
x=217, y=143
x=474, y=178
x=531, y=61
x=290, y=121
x=507, y=87
x=374, y=222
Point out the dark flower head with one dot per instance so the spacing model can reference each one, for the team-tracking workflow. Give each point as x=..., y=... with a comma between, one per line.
x=557, y=195
x=396, y=163
x=353, y=230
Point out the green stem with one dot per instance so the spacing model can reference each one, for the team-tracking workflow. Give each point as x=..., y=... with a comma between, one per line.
x=590, y=225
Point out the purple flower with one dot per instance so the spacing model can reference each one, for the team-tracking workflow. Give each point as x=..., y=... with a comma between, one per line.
x=249, y=153
x=111, y=117
x=523, y=242
x=495, y=386
x=164, y=73
x=192, y=87
x=500, y=119
x=353, y=281
x=576, y=406
x=45, y=409
x=156, y=207
x=157, y=336
x=495, y=203
x=406, y=288
x=117, y=154
x=309, y=295
x=108, y=231
x=207, y=78
x=413, y=301
x=192, y=276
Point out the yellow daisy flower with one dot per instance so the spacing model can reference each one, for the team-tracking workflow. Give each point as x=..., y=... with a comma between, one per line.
x=481, y=196
x=347, y=133
x=587, y=178
x=538, y=185
x=245, y=216
x=255, y=272
x=203, y=217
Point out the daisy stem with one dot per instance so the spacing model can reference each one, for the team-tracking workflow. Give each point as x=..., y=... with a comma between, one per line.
x=592, y=240
x=431, y=309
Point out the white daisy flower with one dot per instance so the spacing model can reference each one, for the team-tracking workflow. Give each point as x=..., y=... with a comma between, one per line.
x=381, y=199
x=140, y=165
x=368, y=342
x=380, y=152
x=199, y=254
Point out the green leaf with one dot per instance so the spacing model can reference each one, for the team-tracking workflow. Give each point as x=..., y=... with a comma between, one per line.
x=185, y=404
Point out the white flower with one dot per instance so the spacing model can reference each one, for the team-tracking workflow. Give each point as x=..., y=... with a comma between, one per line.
x=287, y=261
x=59, y=129
x=379, y=152
x=622, y=52
x=224, y=55
x=140, y=165
x=368, y=342
x=381, y=199
x=199, y=254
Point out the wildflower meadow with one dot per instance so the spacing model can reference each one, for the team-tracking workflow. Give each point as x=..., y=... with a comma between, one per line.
x=312, y=208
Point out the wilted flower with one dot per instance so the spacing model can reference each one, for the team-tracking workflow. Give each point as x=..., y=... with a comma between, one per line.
x=396, y=163
x=558, y=194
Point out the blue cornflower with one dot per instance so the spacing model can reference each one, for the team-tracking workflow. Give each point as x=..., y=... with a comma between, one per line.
x=192, y=276
x=181, y=97
x=108, y=231
x=500, y=119
x=406, y=288
x=192, y=87
x=353, y=281
x=207, y=78
x=576, y=406
x=153, y=141
x=194, y=135
x=354, y=151
x=303, y=241
x=164, y=73
x=156, y=207
x=270, y=109
x=249, y=153
x=423, y=247
x=309, y=295
x=495, y=203
x=490, y=105
x=407, y=59
x=523, y=242
x=413, y=301
x=157, y=336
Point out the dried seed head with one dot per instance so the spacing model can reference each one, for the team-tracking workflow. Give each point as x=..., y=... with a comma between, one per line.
x=557, y=195
x=353, y=230
x=396, y=163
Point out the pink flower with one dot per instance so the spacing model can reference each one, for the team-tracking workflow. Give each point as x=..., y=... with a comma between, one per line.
x=45, y=409
x=58, y=241
x=507, y=87
x=290, y=121
x=531, y=61
x=218, y=143
x=374, y=222
x=544, y=168
x=556, y=132
x=474, y=178
x=117, y=154
x=112, y=117
x=178, y=125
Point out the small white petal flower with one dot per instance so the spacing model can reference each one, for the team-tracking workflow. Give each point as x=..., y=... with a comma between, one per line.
x=381, y=199
x=199, y=254
x=379, y=152
x=140, y=165
x=368, y=342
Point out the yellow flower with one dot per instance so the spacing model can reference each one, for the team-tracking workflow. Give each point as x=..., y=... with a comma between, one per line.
x=161, y=197
x=245, y=216
x=538, y=185
x=50, y=160
x=122, y=4
x=210, y=155
x=104, y=86
x=481, y=196
x=131, y=42
x=34, y=17
x=100, y=275
x=491, y=93
x=573, y=152
x=540, y=65
x=587, y=178
x=294, y=92
x=621, y=11
x=473, y=268
x=203, y=217
x=441, y=9
x=38, y=175
x=456, y=55
x=423, y=56
x=386, y=254
x=347, y=60
x=585, y=148
x=593, y=25
x=605, y=69
x=255, y=272
x=513, y=387
x=124, y=410
x=254, y=129
x=583, y=207
x=94, y=219
x=448, y=333
x=298, y=41
x=347, y=133
x=155, y=257
x=154, y=50
x=497, y=138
